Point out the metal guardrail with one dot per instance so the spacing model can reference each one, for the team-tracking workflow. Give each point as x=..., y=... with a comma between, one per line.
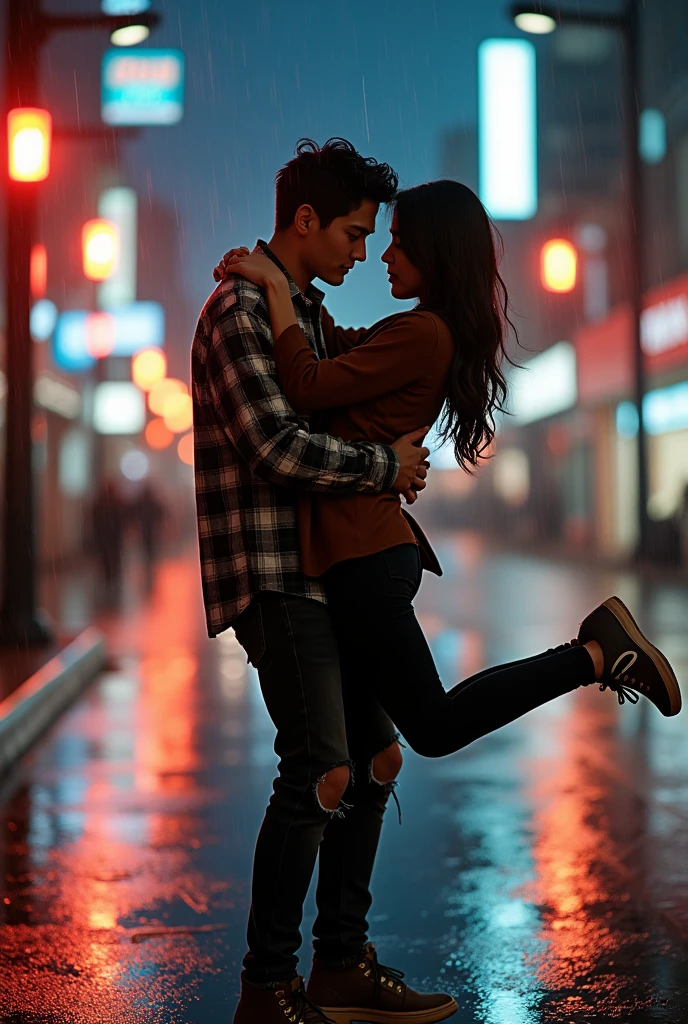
x=39, y=701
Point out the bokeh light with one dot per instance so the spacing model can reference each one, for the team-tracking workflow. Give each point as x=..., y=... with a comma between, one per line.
x=162, y=391
x=148, y=368
x=185, y=449
x=178, y=413
x=134, y=464
x=157, y=435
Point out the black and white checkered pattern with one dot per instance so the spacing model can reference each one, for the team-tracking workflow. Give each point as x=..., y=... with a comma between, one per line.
x=252, y=453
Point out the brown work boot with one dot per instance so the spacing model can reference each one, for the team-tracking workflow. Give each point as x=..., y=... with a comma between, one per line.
x=371, y=992
x=287, y=1002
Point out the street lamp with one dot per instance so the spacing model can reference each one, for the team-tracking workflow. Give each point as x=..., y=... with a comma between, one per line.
x=534, y=23
x=540, y=18
x=129, y=35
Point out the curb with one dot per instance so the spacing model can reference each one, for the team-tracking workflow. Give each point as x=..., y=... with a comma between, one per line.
x=35, y=705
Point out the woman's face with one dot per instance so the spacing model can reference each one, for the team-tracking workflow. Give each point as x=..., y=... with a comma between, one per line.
x=406, y=279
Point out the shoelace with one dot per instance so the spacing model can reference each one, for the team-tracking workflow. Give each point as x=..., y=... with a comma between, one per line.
x=304, y=1011
x=393, y=786
x=379, y=973
x=623, y=693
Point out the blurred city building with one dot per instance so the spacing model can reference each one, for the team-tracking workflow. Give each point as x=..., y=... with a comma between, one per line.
x=563, y=467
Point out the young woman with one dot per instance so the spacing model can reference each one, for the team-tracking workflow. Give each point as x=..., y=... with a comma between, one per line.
x=440, y=360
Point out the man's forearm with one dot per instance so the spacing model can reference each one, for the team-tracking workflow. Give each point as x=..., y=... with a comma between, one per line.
x=322, y=463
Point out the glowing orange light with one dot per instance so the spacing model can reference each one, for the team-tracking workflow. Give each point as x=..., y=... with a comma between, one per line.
x=161, y=392
x=185, y=449
x=558, y=264
x=39, y=271
x=100, y=334
x=157, y=435
x=148, y=368
x=100, y=245
x=178, y=413
x=29, y=131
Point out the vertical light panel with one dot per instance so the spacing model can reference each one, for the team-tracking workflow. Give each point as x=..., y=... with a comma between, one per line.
x=507, y=128
x=118, y=205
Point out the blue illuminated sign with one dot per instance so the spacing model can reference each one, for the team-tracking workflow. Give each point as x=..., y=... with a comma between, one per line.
x=125, y=6
x=139, y=325
x=43, y=319
x=136, y=326
x=652, y=142
x=507, y=128
x=664, y=410
x=142, y=87
x=69, y=342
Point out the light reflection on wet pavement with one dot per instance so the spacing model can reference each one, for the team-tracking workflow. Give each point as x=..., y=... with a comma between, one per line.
x=539, y=876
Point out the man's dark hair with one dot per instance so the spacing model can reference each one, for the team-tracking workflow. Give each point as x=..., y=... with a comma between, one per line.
x=334, y=180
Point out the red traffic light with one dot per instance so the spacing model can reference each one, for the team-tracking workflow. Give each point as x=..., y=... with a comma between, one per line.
x=558, y=265
x=29, y=134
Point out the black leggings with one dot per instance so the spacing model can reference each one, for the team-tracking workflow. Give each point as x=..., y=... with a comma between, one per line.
x=382, y=646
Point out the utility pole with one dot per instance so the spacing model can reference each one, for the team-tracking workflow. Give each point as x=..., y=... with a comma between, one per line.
x=635, y=220
x=19, y=622
x=27, y=29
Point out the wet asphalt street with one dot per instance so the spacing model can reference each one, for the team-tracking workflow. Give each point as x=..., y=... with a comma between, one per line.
x=539, y=876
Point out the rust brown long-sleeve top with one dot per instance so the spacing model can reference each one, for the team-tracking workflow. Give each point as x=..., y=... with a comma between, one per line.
x=380, y=383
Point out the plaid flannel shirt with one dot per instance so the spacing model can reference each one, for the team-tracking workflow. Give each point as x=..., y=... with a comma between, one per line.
x=252, y=452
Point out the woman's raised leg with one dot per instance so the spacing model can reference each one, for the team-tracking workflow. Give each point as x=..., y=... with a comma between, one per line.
x=371, y=600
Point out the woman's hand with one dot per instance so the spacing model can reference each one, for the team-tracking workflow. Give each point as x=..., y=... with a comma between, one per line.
x=256, y=268
x=221, y=271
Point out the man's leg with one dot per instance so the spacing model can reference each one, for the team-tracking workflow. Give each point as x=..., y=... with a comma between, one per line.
x=291, y=642
x=349, y=846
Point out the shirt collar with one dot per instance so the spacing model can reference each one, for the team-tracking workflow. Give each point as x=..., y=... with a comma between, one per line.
x=311, y=296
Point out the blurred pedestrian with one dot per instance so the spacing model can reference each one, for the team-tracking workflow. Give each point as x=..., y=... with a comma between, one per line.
x=109, y=517
x=148, y=516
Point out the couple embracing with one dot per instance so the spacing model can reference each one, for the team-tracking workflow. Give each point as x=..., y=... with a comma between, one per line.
x=307, y=436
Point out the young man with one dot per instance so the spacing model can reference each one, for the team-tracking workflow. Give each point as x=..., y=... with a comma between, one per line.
x=252, y=455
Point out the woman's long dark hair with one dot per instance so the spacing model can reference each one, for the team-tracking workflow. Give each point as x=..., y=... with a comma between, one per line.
x=446, y=233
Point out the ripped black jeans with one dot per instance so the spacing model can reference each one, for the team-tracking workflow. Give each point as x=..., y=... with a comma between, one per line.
x=321, y=723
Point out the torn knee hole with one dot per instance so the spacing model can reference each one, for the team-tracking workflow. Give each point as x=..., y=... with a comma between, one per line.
x=386, y=765
x=331, y=787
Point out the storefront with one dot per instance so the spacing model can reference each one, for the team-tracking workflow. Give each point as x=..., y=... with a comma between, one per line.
x=540, y=473
x=605, y=390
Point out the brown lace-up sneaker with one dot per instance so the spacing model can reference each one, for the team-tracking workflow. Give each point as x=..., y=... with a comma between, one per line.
x=287, y=1002
x=370, y=992
x=632, y=665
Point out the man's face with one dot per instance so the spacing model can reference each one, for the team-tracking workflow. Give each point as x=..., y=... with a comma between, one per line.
x=332, y=251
